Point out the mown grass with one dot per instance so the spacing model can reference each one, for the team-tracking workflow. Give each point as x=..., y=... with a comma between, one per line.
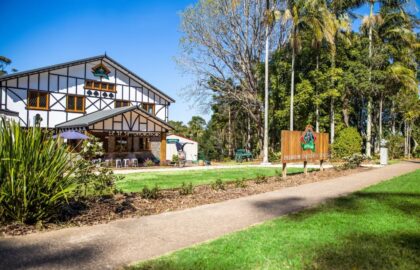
x=377, y=228
x=136, y=181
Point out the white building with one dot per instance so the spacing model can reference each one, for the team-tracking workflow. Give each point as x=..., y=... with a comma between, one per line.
x=190, y=149
x=97, y=95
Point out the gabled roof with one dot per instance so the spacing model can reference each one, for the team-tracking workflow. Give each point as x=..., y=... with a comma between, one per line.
x=92, y=118
x=81, y=61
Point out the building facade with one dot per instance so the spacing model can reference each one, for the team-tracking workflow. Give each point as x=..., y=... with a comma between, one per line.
x=96, y=95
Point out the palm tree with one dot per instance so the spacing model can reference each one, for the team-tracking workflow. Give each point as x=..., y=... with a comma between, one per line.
x=323, y=28
x=313, y=16
x=370, y=22
x=396, y=30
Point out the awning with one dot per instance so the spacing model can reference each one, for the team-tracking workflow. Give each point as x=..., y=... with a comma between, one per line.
x=123, y=119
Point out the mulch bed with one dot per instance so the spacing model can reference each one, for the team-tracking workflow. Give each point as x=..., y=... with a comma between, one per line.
x=102, y=210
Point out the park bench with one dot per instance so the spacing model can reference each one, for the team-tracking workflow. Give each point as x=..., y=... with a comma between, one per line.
x=241, y=154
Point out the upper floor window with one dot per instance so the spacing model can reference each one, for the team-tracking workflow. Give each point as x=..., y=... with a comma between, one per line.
x=101, y=86
x=122, y=103
x=75, y=103
x=149, y=107
x=38, y=100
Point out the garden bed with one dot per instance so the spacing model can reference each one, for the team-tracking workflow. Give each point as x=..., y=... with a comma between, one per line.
x=102, y=210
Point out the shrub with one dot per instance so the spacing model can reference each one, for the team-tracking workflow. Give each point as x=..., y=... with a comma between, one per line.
x=261, y=179
x=93, y=180
x=35, y=174
x=353, y=161
x=148, y=163
x=240, y=183
x=218, y=185
x=153, y=193
x=175, y=159
x=91, y=148
x=348, y=142
x=274, y=156
x=186, y=189
x=395, y=146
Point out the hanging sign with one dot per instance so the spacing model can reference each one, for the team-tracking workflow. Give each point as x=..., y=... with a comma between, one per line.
x=101, y=71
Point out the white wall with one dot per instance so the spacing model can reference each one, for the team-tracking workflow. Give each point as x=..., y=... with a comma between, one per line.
x=191, y=150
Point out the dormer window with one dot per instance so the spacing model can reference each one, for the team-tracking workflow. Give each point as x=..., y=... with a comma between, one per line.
x=101, y=86
x=122, y=103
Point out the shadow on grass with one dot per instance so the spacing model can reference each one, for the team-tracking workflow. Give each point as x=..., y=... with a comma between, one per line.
x=356, y=204
x=397, y=251
x=17, y=255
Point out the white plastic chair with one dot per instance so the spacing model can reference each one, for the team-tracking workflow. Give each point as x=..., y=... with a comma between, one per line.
x=118, y=163
x=126, y=162
x=134, y=162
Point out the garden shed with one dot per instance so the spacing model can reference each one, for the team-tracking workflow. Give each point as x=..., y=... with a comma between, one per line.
x=190, y=149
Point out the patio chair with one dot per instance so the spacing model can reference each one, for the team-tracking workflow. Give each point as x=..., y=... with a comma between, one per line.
x=118, y=163
x=107, y=163
x=134, y=162
x=126, y=162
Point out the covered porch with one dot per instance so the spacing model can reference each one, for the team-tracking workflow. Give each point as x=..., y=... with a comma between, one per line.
x=130, y=135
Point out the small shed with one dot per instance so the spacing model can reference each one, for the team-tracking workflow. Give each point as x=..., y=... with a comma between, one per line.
x=191, y=149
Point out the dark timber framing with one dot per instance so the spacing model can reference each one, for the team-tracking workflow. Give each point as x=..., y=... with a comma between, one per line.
x=57, y=99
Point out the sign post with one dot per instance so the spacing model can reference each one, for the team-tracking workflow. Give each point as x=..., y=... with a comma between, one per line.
x=307, y=145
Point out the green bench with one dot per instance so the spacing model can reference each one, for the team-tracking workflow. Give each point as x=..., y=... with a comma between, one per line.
x=241, y=154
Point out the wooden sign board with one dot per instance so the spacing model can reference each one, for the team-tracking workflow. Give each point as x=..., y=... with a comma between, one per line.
x=306, y=146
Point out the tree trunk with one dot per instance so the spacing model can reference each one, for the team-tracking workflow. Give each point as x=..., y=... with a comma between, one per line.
x=317, y=105
x=380, y=119
x=292, y=86
x=369, y=129
x=265, y=139
x=332, y=123
x=393, y=117
x=345, y=111
x=229, y=132
x=248, y=139
x=369, y=105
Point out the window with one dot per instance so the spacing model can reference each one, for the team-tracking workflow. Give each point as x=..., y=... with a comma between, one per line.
x=144, y=143
x=150, y=108
x=101, y=86
x=122, y=103
x=38, y=100
x=75, y=103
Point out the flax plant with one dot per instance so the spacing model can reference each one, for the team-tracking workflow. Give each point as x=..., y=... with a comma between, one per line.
x=35, y=174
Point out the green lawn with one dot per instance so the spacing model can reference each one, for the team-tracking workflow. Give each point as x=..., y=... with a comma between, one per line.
x=377, y=228
x=136, y=181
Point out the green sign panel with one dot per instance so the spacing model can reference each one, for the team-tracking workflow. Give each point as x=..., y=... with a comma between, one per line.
x=307, y=141
x=101, y=71
x=172, y=140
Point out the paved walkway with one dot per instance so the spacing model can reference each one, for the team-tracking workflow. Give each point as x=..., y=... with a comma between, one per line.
x=109, y=246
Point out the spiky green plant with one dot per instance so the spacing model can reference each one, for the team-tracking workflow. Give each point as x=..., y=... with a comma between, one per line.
x=35, y=174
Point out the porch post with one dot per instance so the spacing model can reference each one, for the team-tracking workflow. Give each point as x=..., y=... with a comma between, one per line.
x=163, y=148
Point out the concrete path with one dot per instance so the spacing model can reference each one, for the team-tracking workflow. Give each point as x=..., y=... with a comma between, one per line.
x=216, y=167
x=112, y=245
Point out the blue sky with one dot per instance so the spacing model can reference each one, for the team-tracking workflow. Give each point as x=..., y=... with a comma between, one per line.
x=143, y=35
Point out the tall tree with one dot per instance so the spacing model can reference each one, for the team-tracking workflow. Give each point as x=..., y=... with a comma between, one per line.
x=312, y=16
x=224, y=41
